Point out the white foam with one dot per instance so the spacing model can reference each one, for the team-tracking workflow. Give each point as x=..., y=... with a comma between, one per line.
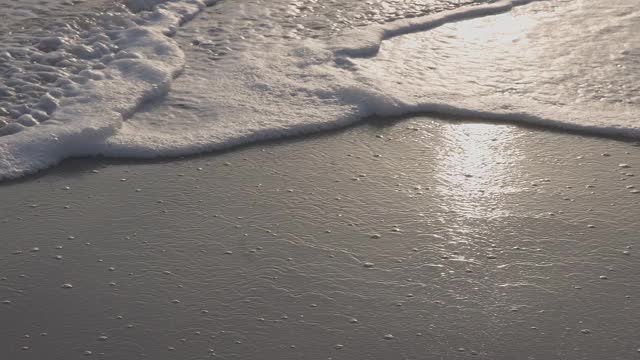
x=289, y=90
x=273, y=85
x=95, y=102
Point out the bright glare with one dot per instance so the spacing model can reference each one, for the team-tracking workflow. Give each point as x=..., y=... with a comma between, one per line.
x=481, y=160
x=501, y=29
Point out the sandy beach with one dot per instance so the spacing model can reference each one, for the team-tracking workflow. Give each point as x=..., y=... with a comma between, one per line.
x=419, y=239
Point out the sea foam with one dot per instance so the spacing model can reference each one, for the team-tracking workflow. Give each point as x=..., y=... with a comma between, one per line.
x=107, y=72
x=271, y=84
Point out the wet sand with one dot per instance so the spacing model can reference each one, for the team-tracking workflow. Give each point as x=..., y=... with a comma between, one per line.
x=420, y=239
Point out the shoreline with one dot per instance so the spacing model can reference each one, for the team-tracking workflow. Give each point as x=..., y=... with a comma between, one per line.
x=375, y=122
x=420, y=239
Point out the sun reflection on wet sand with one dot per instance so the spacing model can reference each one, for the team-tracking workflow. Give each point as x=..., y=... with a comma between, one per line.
x=477, y=169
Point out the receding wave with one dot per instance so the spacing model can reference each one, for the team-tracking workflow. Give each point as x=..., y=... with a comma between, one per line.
x=270, y=81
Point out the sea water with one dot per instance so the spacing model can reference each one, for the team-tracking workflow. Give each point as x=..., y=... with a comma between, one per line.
x=150, y=78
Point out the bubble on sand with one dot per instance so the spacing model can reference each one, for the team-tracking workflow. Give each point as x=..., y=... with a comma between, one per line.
x=58, y=257
x=375, y=236
x=339, y=346
x=368, y=265
x=388, y=337
x=175, y=301
x=585, y=331
x=624, y=166
x=67, y=286
x=6, y=302
x=103, y=338
x=35, y=249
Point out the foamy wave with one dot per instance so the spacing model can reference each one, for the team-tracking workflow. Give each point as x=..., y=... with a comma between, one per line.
x=127, y=61
x=290, y=90
x=285, y=87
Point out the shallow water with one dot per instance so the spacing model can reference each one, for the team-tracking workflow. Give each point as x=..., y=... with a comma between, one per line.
x=421, y=239
x=575, y=62
x=186, y=77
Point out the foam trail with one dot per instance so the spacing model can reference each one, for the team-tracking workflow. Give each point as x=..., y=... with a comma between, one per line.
x=360, y=43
